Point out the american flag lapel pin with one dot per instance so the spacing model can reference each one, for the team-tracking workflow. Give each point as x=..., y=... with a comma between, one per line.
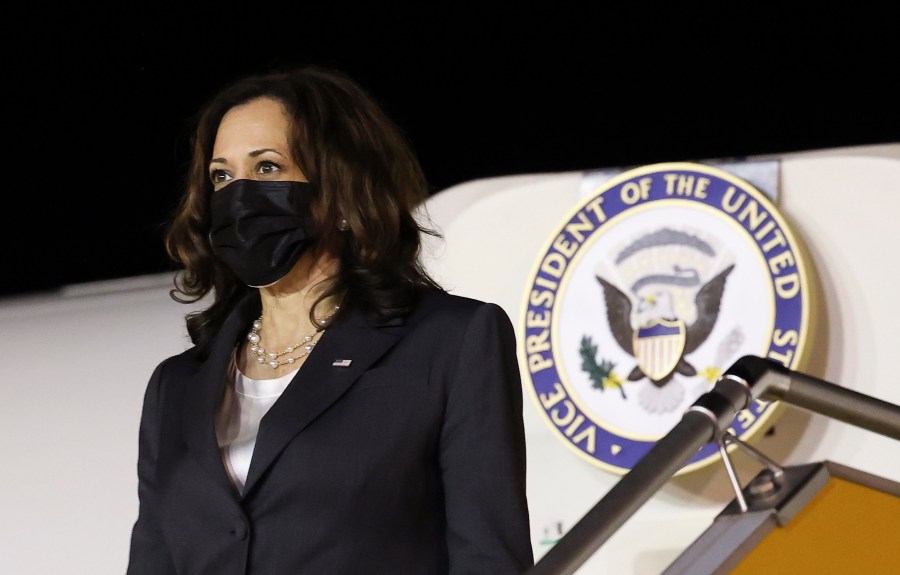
x=342, y=363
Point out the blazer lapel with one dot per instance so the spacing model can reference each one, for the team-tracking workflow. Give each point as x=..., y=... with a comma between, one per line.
x=204, y=391
x=319, y=383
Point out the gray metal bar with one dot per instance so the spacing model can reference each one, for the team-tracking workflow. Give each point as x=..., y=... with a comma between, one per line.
x=748, y=378
x=666, y=457
x=710, y=414
x=840, y=403
x=771, y=380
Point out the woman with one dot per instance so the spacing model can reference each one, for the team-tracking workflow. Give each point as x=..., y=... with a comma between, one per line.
x=338, y=411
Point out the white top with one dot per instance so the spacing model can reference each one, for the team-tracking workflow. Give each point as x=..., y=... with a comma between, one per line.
x=243, y=406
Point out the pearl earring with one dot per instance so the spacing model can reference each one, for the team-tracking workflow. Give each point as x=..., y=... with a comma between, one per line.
x=343, y=225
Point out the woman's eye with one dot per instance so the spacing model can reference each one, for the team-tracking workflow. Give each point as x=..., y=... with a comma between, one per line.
x=218, y=176
x=267, y=167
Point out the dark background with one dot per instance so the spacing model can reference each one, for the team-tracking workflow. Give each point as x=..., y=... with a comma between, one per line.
x=100, y=104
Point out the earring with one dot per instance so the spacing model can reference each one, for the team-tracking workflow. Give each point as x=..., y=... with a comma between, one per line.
x=343, y=225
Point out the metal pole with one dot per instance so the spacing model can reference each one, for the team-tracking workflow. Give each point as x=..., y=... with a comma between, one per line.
x=697, y=427
x=748, y=378
x=771, y=380
x=643, y=480
x=840, y=403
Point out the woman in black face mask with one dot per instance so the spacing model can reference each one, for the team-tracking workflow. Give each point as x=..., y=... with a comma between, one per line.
x=338, y=412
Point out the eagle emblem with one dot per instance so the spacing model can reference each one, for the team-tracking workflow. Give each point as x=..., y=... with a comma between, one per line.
x=647, y=325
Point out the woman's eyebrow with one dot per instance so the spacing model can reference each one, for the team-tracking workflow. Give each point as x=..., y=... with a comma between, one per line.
x=255, y=153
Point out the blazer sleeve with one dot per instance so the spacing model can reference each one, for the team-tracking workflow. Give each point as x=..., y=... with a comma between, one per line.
x=482, y=452
x=149, y=554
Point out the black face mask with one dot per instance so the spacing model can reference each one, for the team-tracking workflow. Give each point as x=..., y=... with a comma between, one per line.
x=260, y=229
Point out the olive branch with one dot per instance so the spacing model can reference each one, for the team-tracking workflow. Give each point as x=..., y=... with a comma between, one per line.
x=601, y=374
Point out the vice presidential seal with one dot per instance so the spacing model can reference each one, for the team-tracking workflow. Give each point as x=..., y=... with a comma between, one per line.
x=658, y=281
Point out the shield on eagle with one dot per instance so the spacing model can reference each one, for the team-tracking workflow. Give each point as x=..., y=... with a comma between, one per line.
x=658, y=346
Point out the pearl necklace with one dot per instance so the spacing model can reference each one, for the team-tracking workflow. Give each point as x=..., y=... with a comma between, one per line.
x=305, y=345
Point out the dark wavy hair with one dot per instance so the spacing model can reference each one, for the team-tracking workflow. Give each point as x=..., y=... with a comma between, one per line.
x=364, y=171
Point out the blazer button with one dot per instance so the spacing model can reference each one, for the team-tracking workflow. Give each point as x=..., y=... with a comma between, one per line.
x=239, y=531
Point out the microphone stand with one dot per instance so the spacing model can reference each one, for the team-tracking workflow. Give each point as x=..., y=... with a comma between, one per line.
x=749, y=378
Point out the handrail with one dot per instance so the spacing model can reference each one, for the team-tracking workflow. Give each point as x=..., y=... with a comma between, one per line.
x=749, y=378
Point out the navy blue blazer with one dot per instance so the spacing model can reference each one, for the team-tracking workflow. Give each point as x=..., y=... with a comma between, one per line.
x=410, y=460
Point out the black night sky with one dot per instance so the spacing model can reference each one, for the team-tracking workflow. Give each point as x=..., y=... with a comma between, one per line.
x=100, y=106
